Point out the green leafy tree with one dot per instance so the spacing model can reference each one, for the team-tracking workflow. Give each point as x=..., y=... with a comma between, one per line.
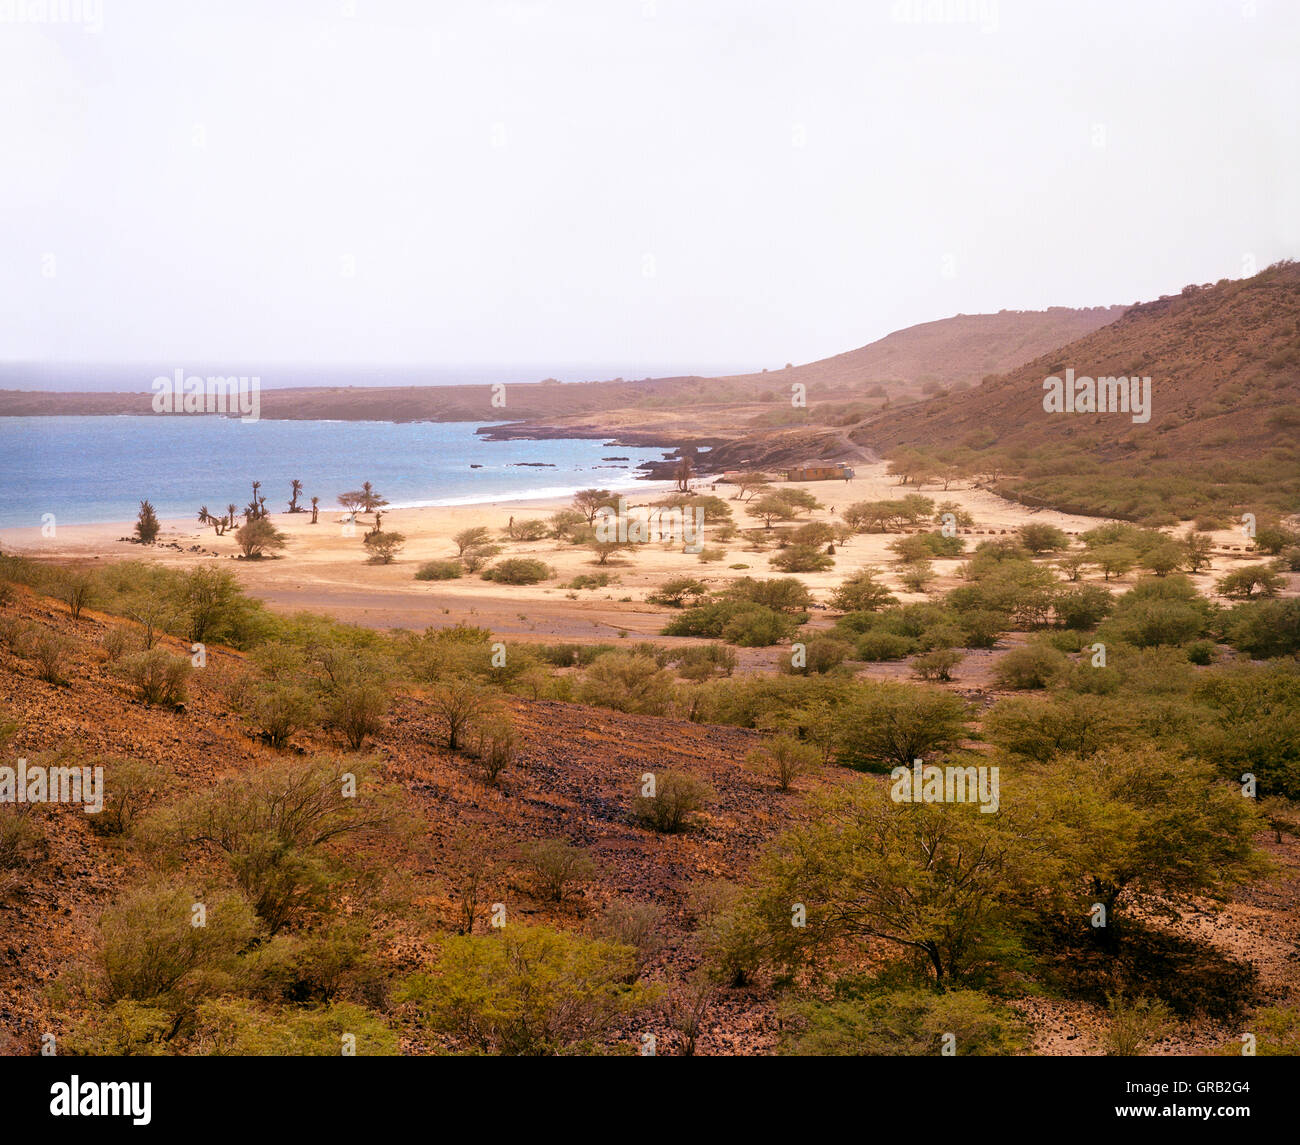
x=888, y=724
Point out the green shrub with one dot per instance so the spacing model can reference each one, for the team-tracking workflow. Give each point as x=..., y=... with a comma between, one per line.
x=383, y=546
x=22, y=841
x=674, y=593
x=439, y=570
x=130, y=787
x=116, y=642
x=862, y=592
x=704, y=661
x=356, y=708
x=572, y=655
x=876, y=646
x=1084, y=606
x=1039, y=538
x=555, y=865
x=157, y=676
x=124, y=1029
x=936, y=666
x=1029, y=666
x=50, y=651
x=1135, y=1026
x=518, y=570
x=668, y=800
x=981, y=629
x=801, y=559
x=1245, y=583
x=280, y=710
x=1158, y=610
x=627, y=682
x=531, y=530
x=236, y=1027
x=639, y=925
x=785, y=594
x=494, y=745
x=593, y=581
x=910, y=1023
x=310, y=967
x=528, y=991
x=1264, y=629
x=270, y=827
x=151, y=949
x=785, y=758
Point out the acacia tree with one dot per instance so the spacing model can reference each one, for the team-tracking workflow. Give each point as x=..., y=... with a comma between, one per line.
x=1199, y=547
x=589, y=502
x=471, y=538
x=606, y=549
x=749, y=485
x=890, y=724
x=940, y=880
x=1139, y=822
x=1243, y=583
x=383, y=547
x=257, y=537
x=772, y=507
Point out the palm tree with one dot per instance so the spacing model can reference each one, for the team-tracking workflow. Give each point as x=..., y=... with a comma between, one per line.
x=296, y=487
x=218, y=523
x=315, y=509
x=370, y=500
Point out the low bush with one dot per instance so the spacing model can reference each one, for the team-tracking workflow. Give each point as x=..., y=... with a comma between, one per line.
x=1029, y=666
x=157, y=676
x=439, y=570
x=518, y=570
x=668, y=801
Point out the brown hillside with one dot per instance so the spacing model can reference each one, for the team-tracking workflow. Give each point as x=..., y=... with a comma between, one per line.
x=951, y=351
x=1224, y=363
x=576, y=775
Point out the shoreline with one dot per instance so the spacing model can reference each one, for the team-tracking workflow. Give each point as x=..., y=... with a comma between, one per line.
x=325, y=569
x=27, y=540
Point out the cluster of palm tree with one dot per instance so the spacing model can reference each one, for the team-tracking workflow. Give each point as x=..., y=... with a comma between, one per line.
x=256, y=509
x=219, y=524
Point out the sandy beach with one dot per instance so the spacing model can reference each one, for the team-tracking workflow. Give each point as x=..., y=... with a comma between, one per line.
x=324, y=570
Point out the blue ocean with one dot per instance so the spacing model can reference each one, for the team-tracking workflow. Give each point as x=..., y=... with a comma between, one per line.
x=86, y=470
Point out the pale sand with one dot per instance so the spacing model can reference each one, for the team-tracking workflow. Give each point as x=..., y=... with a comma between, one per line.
x=322, y=570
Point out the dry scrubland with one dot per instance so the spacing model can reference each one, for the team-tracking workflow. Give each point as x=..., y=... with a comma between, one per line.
x=669, y=777
x=500, y=736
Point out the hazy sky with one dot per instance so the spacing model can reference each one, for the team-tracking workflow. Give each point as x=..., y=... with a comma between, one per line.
x=633, y=182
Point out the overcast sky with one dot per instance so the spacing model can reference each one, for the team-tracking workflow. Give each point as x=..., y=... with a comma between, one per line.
x=638, y=183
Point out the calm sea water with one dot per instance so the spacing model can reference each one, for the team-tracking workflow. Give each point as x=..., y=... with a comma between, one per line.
x=91, y=469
